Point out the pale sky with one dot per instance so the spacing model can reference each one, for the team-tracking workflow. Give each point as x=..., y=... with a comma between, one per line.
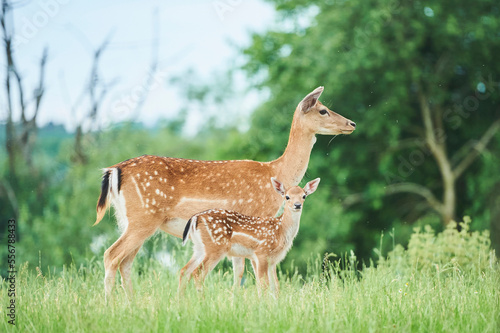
x=195, y=34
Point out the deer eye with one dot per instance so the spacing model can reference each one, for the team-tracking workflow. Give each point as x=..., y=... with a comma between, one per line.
x=287, y=197
x=323, y=111
x=304, y=196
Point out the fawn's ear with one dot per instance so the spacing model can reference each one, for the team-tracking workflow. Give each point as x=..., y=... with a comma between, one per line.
x=311, y=186
x=310, y=100
x=278, y=186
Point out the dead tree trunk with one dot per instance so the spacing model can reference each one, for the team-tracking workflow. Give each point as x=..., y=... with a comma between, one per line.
x=19, y=145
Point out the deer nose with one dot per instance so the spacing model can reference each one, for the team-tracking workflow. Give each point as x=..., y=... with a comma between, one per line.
x=352, y=123
x=297, y=205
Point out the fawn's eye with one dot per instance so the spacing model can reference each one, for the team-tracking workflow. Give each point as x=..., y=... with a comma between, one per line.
x=287, y=197
x=304, y=196
x=323, y=111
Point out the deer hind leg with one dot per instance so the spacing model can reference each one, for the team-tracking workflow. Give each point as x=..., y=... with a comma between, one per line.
x=238, y=268
x=124, y=248
x=206, y=266
x=125, y=271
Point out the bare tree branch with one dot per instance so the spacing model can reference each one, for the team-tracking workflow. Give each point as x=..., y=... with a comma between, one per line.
x=11, y=196
x=353, y=199
x=96, y=89
x=478, y=148
x=94, y=80
x=418, y=189
x=40, y=90
x=19, y=80
x=405, y=144
x=435, y=139
x=430, y=133
x=10, y=142
x=405, y=187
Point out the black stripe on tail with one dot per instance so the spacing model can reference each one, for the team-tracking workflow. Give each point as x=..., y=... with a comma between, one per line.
x=186, y=231
x=119, y=172
x=104, y=189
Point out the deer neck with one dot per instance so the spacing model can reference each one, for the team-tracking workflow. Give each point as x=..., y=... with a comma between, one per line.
x=290, y=223
x=292, y=165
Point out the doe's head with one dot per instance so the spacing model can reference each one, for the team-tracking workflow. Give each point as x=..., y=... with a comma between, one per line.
x=295, y=195
x=317, y=118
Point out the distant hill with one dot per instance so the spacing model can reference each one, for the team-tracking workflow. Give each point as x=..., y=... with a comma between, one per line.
x=49, y=138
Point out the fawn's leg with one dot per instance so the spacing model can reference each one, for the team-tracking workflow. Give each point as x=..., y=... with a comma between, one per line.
x=206, y=266
x=273, y=279
x=187, y=270
x=194, y=262
x=262, y=274
x=238, y=268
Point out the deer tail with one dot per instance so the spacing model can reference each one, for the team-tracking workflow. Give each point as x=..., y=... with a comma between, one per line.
x=191, y=224
x=111, y=183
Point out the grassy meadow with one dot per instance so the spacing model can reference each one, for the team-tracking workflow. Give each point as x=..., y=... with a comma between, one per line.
x=446, y=282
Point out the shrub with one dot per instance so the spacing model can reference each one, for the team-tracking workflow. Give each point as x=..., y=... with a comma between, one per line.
x=456, y=249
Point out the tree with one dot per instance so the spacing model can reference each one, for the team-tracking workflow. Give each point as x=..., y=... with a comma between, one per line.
x=418, y=78
x=20, y=135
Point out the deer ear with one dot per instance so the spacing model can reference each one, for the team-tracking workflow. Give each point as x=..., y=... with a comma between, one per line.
x=311, y=186
x=278, y=186
x=310, y=100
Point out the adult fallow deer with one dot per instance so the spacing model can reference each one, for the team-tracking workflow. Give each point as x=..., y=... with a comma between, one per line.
x=153, y=192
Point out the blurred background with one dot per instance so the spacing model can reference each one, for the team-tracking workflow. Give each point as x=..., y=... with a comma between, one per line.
x=85, y=85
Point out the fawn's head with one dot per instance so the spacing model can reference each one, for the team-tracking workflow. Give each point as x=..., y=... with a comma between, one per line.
x=295, y=195
x=317, y=118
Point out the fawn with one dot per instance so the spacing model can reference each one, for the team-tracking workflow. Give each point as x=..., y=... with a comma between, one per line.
x=217, y=233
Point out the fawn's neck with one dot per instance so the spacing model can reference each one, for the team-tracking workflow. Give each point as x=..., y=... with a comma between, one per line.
x=292, y=165
x=290, y=222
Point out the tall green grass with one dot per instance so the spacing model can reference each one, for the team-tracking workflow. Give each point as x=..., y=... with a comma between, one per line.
x=434, y=289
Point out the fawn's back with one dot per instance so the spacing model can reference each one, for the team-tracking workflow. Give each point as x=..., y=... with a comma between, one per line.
x=239, y=235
